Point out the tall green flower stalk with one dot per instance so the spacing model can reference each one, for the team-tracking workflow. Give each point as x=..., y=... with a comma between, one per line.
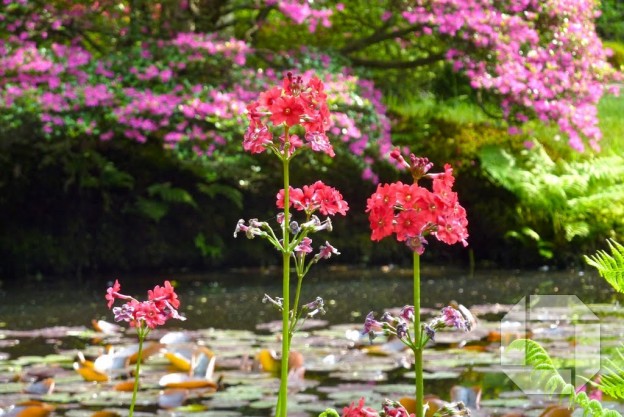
x=296, y=110
x=418, y=346
x=282, y=399
x=412, y=213
x=142, y=332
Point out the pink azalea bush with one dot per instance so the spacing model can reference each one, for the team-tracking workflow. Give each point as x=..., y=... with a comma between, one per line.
x=161, y=89
x=541, y=58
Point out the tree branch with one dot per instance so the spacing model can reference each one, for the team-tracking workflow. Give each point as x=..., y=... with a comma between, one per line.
x=380, y=35
x=414, y=63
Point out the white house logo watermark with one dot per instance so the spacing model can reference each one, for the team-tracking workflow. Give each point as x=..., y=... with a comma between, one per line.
x=565, y=325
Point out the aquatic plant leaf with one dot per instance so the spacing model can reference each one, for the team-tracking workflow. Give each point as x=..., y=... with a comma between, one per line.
x=48, y=359
x=10, y=387
x=59, y=398
x=434, y=375
x=217, y=413
x=191, y=408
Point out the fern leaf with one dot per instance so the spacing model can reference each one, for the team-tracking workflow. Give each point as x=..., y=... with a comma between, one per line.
x=612, y=378
x=610, y=266
x=231, y=193
x=152, y=209
x=170, y=194
x=537, y=357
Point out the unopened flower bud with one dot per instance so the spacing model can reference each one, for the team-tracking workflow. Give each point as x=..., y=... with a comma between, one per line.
x=278, y=302
x=407, y=313
x=387, y=317
x=430, y=332
x=419, y=166
x=315, y=307
x=401, y=330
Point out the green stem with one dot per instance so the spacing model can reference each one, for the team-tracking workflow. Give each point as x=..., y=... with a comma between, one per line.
x=282, y=401
x=296, y=306
x=418, y=346
x=142, y=335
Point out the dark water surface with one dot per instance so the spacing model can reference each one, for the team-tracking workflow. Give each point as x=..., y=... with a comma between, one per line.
x=233, y=300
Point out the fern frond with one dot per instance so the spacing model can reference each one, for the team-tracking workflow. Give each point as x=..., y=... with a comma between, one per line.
x=610, y=266
x=537, y=357
x=170, y=194
x=231, y=193
x=612, y=377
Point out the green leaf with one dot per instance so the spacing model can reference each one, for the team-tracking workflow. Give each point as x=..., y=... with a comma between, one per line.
x=538, y=358
x=231, y=193
x=152, y=209
x=170, y=194
x=610, y=266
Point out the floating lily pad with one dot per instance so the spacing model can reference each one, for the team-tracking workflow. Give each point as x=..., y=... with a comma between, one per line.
x=58, y=397
x=30, y=360
x=395, y=389
x=11, y=387
x=434, y=375
x=214, y=413
x=505, y=402
x=362, y=375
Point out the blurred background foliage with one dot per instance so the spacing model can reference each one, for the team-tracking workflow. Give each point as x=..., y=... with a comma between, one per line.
x=74, y=205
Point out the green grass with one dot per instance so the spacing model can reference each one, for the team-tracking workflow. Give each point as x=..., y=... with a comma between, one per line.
x=611, y=114
x=462, y=111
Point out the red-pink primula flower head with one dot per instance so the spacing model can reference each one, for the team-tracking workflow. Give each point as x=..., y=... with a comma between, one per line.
x=316, y=197
x=412, y=212
x=298, y=107
x=161, y=305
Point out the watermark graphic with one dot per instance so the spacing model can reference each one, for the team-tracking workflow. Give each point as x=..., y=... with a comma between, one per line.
x=569, y=328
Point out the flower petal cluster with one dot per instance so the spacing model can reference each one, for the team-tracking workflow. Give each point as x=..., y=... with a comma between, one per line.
x=401, y=324
x=450, y=317
x=318, y=196
x=161, y=305
x=298, y=102
x=412, y=212
x=543, y=58
x=389, y=409
x=359, y=410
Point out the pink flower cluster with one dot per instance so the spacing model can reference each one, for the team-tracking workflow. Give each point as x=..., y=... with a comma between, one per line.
x=542, y=58
x=299, y=11
x=144, y=93
x=318, y=196
x=412, y=212
x=390, y=409
x=161, y=305
x=296, y=102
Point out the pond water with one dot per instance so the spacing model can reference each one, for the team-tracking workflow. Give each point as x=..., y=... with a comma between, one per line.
x=44, y=326
x=233, y=300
